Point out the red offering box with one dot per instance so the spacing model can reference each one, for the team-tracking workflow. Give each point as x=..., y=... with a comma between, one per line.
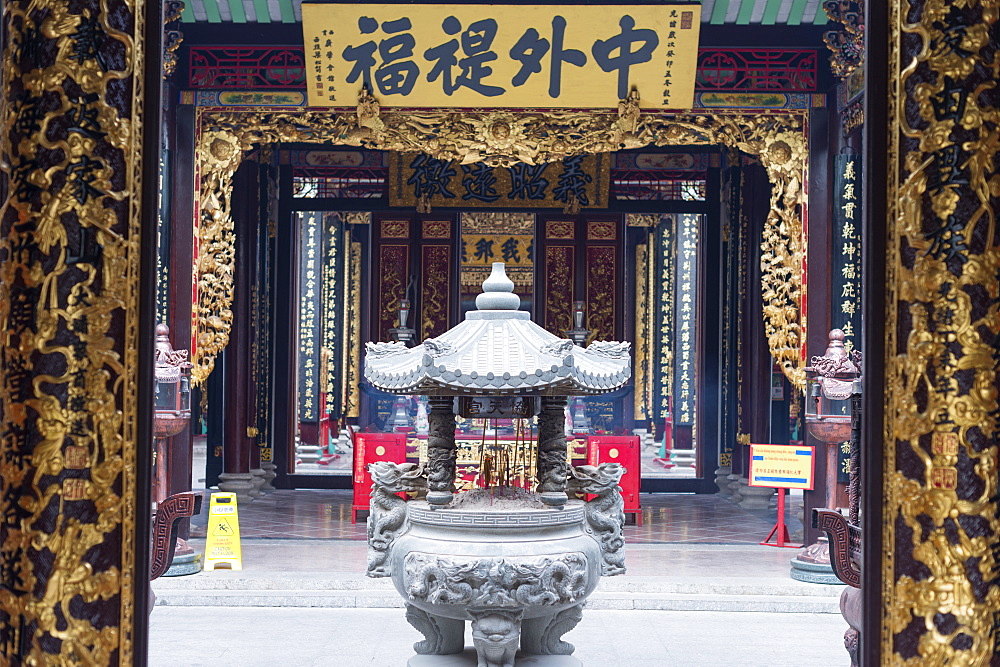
x=369, y=448
x=623, y=449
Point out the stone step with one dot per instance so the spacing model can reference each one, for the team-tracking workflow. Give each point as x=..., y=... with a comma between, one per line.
x=348, y=582
x=237, y=589
x=714, y=602
x=598, y=600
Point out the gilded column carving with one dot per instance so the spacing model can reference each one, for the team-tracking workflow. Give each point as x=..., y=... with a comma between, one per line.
x=70, y=237
x=779, y=141
x=352, y=331
x=220, y=154
x=846, y=43
x=642, y=399
x=941, y=602
x=645, y=314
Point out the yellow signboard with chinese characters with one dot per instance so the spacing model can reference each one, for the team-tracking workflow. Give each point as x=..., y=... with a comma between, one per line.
x=222, y=543
x=521, y=56
x=782, y=466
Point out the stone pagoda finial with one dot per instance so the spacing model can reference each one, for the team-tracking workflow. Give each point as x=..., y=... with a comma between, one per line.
x=498, y=291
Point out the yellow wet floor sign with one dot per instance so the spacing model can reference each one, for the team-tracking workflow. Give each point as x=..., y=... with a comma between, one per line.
x=222, y=546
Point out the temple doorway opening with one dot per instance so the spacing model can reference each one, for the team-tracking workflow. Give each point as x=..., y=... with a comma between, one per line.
x=385, y=246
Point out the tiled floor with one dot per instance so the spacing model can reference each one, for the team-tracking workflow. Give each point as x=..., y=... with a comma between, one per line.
x=667, y=518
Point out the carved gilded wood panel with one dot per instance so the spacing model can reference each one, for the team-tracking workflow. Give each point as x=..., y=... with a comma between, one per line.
x=393, y=276
x=435, y=298
x=71, y=241
x=352, y=331
x=559, y=272
x=940, y=530
x=603, y=285
x=778, y=139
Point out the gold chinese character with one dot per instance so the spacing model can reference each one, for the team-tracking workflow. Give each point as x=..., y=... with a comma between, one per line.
x=848, y=231
x=848, y=290
x=849, y=249
x=849, y=191
x=849, y=272
x=849, y=170
x=848, y=307
x=849, y=209
x=848, y=329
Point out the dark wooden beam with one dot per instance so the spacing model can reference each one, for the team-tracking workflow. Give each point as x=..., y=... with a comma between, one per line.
x=823, y=144
x=875, y=170
x=236, y=443
x=180, y=129
x=711, y=267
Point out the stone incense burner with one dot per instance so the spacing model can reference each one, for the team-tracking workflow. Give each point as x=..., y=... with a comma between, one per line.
x=519, y=564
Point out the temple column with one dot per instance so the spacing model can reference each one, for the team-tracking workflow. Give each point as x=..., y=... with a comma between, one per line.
x=441, y=450
x=81, y=128
x=759, y=361
x=930, y=452
x=180, y=139
x=237, y=477
x=552, y=451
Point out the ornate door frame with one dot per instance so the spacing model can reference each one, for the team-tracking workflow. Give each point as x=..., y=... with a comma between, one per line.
x=932, y=391
x=933, y=394
x=499, y=138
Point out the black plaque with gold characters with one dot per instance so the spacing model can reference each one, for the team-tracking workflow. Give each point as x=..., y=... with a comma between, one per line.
x=581, y=181
x=497, y=407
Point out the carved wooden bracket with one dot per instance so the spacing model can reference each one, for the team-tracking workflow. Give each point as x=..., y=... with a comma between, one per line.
x=845, y=545
x=168, y=513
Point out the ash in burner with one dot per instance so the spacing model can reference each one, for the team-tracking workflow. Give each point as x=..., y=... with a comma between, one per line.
x=498, y=499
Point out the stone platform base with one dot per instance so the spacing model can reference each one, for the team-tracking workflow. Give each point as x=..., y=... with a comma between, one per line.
x=184, y=564
x=468, y=659
x=813, y=573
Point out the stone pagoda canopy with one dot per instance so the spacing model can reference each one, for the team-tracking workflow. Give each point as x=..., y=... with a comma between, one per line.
x=498, y=351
